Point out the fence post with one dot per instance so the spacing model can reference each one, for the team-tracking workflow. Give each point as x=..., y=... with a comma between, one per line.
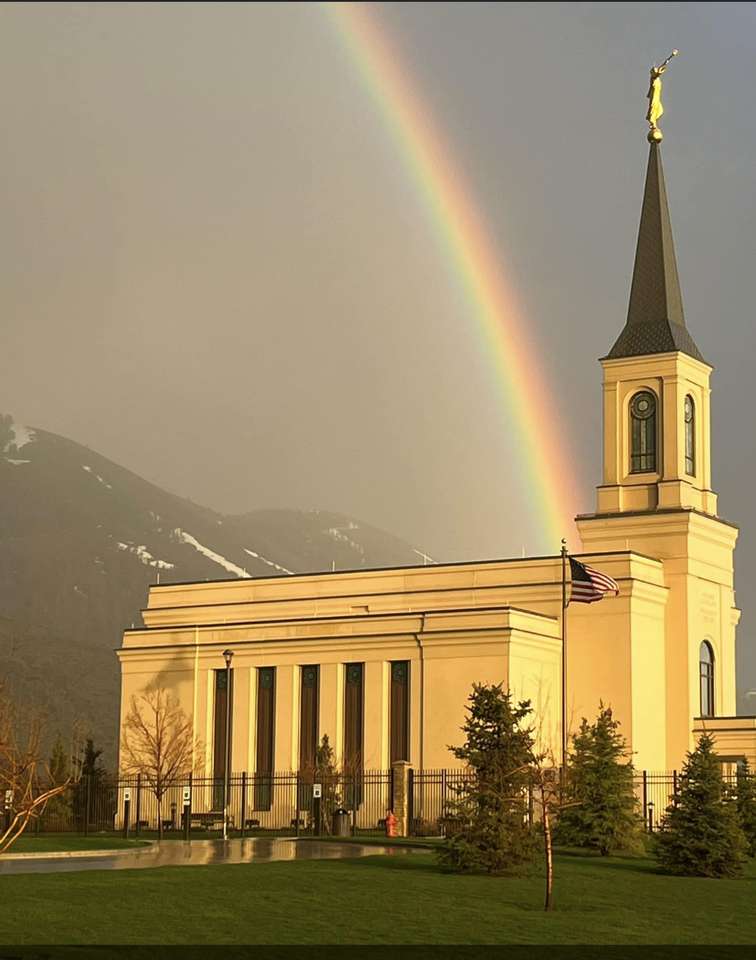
x=298, y=811
x=244, y=802
x=88, y=798
x=411, y=802
x=645, y=796
x=187, y=811
x=138, y=804
x=674, y=784
x=400, y=770
x=126, y=808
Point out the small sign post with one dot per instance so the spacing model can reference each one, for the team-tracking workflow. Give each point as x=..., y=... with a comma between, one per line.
x=186, y=811
x=126, y=812
x=317, y=793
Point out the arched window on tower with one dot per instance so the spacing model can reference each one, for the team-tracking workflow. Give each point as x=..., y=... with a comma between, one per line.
x=690, y=436
x=643, y=433
x=706, y=673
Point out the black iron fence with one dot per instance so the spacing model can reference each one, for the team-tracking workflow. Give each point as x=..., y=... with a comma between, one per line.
x=657, y=790
x=287, y=803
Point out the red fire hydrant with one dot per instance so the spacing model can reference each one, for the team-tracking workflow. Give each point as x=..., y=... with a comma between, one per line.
x=390, y=824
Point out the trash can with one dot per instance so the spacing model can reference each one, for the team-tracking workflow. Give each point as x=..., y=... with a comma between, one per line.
x=340, y=825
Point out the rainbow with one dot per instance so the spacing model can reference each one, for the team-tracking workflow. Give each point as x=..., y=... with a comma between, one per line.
x=546, y=471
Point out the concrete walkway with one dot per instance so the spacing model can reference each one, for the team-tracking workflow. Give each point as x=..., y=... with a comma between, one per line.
x=198, y=853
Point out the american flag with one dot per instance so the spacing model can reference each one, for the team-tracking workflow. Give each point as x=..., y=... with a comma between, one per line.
x=588, y=585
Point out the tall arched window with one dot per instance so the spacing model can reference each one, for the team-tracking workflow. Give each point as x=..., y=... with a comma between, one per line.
x=643, y=433
x=706, y=673
x=690, y=436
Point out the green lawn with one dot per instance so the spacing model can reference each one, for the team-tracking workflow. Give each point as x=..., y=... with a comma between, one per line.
x=58, y=842
x=384, y=899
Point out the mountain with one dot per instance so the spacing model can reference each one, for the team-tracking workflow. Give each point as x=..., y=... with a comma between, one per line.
x=81, y=540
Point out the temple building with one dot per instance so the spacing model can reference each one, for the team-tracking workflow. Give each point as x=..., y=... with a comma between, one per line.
x=383, y=660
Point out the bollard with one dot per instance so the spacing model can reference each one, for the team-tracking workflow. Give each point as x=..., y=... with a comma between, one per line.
x=138, y=803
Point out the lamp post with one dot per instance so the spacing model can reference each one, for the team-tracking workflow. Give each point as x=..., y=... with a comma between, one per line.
x=227, y=656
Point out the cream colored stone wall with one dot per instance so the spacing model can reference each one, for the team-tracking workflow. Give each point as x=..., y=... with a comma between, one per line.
x=457, y=624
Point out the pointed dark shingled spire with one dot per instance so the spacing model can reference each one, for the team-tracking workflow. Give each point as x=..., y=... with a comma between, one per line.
x=655, y=321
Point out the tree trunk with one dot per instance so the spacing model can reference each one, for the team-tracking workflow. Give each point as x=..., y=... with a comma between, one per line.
x=548, y=902
x=160, y=816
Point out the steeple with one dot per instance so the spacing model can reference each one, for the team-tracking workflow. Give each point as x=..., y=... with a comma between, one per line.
x=655, y=320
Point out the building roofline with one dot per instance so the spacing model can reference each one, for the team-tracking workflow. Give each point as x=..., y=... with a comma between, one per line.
x=312, y=574
x=377, y=615
x=653, y=513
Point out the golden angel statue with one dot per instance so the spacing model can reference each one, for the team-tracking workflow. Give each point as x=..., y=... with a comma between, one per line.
x=655, y=106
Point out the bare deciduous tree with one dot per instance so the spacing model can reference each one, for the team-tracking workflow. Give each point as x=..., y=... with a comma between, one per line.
x=157, y=742
x=26, y=781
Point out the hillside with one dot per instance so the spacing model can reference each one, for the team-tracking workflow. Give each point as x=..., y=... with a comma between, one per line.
x=81, y=539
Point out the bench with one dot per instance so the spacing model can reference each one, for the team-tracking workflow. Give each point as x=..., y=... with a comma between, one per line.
x=209, y=820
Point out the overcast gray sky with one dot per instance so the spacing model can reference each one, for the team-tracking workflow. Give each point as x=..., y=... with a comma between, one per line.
x=218, y=272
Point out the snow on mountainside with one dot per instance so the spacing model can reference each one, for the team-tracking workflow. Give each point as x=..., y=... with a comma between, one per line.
x=81, y=540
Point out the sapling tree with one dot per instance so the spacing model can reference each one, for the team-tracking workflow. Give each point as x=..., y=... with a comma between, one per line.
x=27, y=783
x=158, y=743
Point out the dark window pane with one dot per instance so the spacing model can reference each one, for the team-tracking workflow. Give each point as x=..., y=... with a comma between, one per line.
x=219, y=733
x=643, y=433
x=308, y=724
x=353, y=733
x=266, y=712
x=690, y=437
x=399, y=716
x=706, y=673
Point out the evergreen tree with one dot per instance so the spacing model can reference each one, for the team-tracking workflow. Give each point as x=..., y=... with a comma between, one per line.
x=95, y=783
x=492, y=806
x=327, y=775
x=600, y=810
x=60, y=762
x=58, y=809
x=747, y=806
x=700, y=833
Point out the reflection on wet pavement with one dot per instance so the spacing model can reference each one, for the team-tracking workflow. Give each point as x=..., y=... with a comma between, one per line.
x=177, y=853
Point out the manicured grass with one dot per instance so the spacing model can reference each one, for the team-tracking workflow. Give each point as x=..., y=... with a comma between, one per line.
x=59, y=842
x=385, y=899
x=418, y=843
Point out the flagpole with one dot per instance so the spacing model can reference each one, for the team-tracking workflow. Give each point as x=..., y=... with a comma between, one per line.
x=564, y=653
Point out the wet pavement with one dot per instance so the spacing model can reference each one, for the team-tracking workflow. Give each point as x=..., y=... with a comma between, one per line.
x=200, y=853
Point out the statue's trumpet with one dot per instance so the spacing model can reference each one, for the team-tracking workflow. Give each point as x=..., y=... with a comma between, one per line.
x=673, y=54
